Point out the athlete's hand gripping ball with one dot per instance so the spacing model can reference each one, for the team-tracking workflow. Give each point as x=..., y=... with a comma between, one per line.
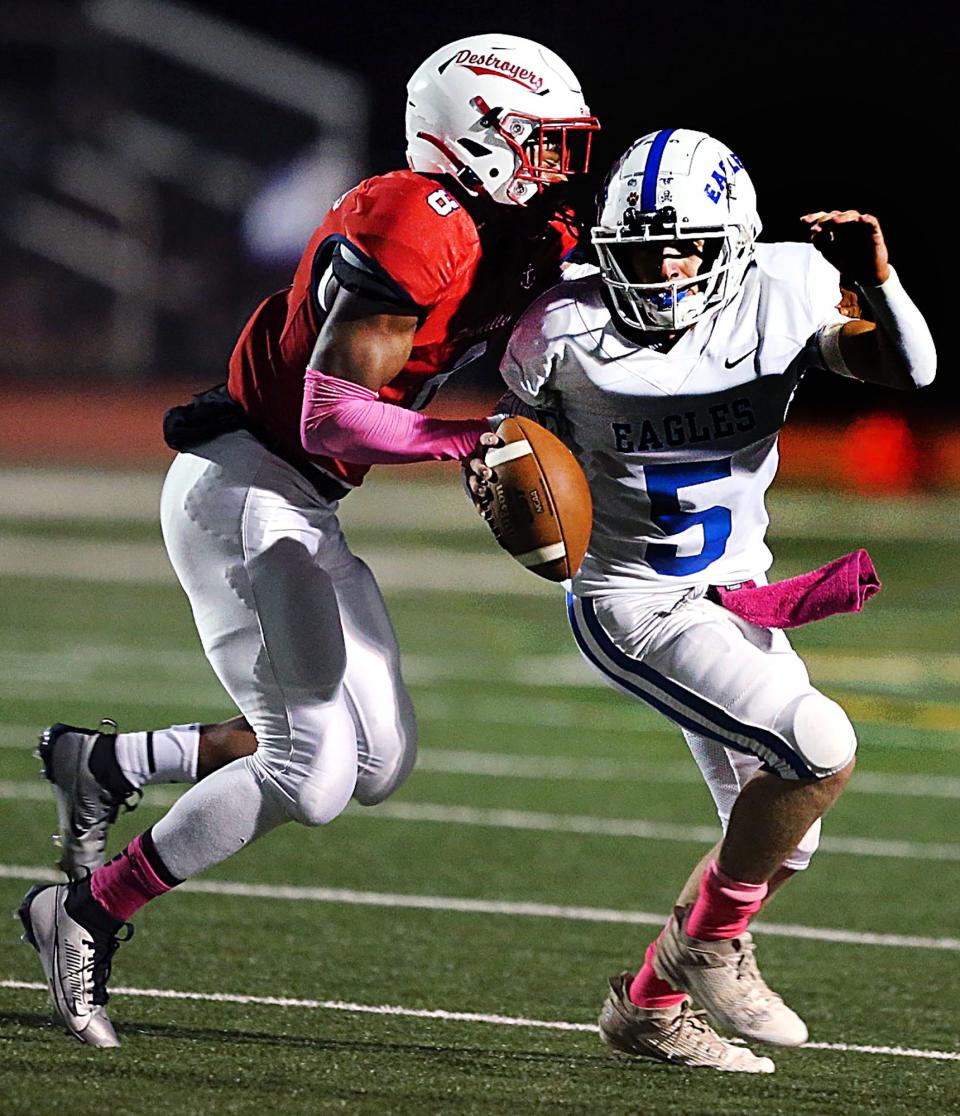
x=532, y=492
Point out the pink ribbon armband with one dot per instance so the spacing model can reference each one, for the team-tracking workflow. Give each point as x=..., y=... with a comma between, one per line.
x=351, y=423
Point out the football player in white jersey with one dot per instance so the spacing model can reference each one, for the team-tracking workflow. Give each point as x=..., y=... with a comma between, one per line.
x=671, y=370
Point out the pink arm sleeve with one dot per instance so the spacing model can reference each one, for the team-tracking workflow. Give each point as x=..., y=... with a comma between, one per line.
x=347, y=421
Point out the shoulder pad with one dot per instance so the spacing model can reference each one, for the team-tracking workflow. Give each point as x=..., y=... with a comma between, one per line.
x=360, y=275
x=403, y=197
x=414, y=230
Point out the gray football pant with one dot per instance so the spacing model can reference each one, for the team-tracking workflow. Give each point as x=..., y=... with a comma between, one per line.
x=296, y=629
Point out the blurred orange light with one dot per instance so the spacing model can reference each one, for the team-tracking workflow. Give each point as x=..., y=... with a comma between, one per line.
x=879, y=454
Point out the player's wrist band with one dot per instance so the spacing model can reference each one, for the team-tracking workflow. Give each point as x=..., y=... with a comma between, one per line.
x=904, y=328
x=829, y=340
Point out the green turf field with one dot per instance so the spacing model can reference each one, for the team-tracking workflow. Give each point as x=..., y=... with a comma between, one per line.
x=545, y=831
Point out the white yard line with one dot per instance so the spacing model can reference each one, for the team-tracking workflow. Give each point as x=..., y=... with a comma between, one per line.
x=505, y=908
x=390, y=500
x=539, y=822
x=401, y=567
x=129, y=563
x=91, y=494
x=501, y=765
x=633, y=827
x=79, y=670
x=23, y=684
x=408, y=568
x=595, y=768
x=334, y=1005
x=39, y=791
x=450, y=1016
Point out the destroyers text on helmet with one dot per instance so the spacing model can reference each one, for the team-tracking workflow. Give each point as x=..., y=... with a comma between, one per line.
x=499, y=67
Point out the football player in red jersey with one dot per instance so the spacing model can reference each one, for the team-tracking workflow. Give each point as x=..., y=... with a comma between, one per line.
x=409, y=277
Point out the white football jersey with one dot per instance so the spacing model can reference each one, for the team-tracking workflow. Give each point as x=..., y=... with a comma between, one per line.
x=679, y=447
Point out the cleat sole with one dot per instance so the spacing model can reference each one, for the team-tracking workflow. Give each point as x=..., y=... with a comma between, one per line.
x=44, y=749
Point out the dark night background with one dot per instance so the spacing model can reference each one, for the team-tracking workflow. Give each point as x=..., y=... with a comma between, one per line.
x=829, y=105
x=832, y=106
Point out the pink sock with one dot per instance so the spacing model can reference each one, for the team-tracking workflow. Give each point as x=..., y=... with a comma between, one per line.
x=648, y=990
x=130, y=880
x=724, y=906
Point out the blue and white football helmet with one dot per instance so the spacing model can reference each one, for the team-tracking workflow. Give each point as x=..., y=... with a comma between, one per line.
x=676, y=185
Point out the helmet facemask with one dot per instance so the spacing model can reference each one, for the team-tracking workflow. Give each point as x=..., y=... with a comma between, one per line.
x=547, y=151
x=685, y=190
x=668, y=304
x=528, y=153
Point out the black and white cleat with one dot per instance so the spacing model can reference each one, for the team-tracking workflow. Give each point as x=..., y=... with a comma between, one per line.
x=76, y=961
x=79, y=763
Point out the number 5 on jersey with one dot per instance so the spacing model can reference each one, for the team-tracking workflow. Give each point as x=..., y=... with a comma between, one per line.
x=663, y=482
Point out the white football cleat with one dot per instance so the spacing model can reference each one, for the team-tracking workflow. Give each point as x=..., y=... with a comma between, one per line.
x=676, y=1035
x=85, y=807
x=76, y=962
x=722, y=977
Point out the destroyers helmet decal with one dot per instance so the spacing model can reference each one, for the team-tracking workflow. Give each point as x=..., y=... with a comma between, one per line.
x=497, y=67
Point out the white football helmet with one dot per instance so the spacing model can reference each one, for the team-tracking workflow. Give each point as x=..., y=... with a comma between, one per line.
x=684, y=186
x=503, y=114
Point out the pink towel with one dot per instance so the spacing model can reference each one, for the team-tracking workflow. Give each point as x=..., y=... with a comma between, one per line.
x=843, y=585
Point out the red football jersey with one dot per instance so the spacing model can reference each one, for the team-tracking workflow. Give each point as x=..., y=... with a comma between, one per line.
x=469, y=280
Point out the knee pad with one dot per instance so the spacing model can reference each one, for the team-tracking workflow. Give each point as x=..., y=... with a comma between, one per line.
x=803, y=853
x=821, y=733
x=323, y=797
x=313, y=770
x=386, y=754
x=307, y=793
x=376, y=785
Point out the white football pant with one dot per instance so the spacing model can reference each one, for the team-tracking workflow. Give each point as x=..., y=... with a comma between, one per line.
x=296, y=629
x=739, y=692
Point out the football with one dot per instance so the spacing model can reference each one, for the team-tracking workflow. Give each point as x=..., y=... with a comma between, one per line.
x=540, y=510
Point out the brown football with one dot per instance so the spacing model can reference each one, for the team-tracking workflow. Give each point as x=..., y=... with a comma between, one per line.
x=540, y=510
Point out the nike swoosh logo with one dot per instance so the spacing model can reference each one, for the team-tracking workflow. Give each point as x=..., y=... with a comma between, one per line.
x=733, y=363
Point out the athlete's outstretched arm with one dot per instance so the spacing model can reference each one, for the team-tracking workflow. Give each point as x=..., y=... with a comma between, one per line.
x=896, y=349
x=361, y=347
